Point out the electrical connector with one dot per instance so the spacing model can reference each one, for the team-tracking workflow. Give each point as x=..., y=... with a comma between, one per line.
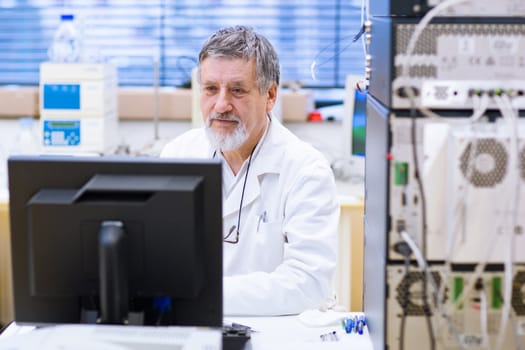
x=478, y=285
x=400, y=226
x=403, y=248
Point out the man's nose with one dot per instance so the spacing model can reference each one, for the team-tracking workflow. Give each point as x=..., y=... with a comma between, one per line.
x=223, y=103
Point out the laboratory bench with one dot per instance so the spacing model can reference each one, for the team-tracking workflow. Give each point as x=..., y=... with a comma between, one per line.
x=275, y=333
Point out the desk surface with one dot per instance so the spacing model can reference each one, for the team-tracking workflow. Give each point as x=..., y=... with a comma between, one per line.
x=270, y=333
x=287, y=332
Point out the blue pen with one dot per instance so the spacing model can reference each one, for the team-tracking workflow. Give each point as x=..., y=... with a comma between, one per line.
x=348, y=325
x=360, y=327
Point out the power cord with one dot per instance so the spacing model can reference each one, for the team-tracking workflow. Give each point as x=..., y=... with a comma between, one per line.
x=404, y=249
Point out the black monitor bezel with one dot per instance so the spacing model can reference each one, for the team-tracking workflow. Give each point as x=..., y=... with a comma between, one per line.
x=28, y=174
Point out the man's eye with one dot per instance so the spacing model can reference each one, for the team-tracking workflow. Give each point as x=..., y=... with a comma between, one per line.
x=237, y=91
x=210, y=89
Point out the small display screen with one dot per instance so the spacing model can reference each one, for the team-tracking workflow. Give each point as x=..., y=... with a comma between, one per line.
x=359, y=124
x=63, y=124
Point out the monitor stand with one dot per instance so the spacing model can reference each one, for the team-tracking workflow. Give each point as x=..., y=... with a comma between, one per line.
x=113, y=273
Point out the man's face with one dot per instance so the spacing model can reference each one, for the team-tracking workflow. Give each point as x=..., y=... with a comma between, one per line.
x=234, y=110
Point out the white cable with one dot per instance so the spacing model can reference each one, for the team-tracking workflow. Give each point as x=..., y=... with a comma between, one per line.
x=416, y=251
x=483, y=317
x=513, y=117
x=419, y=258
x=461, y=206
x=422, y=25
x=506, y=111
x=418, y=30
x=420, y=261
x=480, y=106
x=519, y=345
x=480, y=267
x=505, y=107
x=490, y=243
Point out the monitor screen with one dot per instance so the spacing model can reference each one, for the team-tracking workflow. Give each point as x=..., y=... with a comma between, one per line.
x=358, y=124
x=354, y=128
x=114, y=235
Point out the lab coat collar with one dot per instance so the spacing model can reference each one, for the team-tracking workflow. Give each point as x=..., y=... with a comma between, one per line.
x=266, y=160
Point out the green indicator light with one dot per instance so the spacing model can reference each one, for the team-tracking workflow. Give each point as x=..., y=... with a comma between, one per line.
x=401, y=173
x=457, y=289
x=497, y=299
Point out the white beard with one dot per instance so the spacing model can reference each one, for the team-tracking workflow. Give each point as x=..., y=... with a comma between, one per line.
x=226, y=142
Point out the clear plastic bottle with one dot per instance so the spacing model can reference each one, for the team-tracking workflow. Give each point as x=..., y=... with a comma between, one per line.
x=26, y=141
x=66, y=43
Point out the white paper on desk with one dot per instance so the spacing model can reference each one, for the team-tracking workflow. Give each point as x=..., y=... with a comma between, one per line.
x=105, y=337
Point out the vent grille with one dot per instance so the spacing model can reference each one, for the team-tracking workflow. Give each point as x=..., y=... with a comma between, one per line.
x=488, y=164
x=518, y=294
x=420, y=71
x=410, y=293
x=427, y=44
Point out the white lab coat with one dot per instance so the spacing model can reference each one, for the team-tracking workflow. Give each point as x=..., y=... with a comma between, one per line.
x=285, y=260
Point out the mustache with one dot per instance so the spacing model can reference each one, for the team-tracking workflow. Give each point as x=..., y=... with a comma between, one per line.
x=224, y=116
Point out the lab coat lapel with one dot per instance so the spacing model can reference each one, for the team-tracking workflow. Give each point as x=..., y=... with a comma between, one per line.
x=264, y=162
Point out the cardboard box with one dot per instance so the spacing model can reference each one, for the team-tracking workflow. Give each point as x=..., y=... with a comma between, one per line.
x=296, y=105
x=16, y=101
x=139, y=103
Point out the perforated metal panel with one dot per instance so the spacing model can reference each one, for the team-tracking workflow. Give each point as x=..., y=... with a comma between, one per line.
x=409, y=293
x=427, y=43
x=488, y=164
x=470, y=40
x=518, y=293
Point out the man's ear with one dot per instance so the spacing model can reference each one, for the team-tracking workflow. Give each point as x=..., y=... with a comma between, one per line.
x=272, y=97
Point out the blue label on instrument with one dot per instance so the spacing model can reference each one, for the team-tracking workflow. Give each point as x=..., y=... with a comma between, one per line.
x=62, y=96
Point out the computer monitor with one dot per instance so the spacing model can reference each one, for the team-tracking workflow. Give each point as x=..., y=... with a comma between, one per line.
x=354, y=126
x=116, y=233
x=358, y=124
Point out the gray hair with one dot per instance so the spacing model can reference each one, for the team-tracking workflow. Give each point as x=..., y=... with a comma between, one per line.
x=244, y=42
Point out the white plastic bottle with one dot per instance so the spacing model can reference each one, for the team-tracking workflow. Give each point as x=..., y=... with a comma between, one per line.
x=26, y=141
x=66, y=45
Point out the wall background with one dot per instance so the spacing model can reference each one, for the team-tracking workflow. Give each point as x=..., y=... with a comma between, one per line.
x=138, y=135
